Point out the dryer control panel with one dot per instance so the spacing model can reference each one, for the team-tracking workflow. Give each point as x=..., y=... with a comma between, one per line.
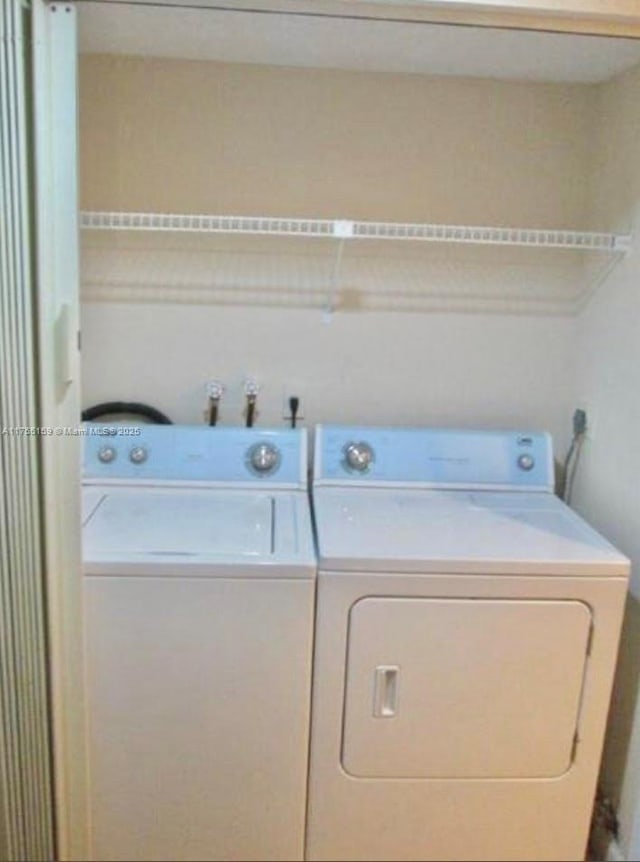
x=194, y=454
x=433, y=458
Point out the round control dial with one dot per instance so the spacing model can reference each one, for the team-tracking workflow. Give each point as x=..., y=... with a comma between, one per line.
x=358, y=456
x=263, y=458
x=526, y=462
x=138, y=455
x=107, y=454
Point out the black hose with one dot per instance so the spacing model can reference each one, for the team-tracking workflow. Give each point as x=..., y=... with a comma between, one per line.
x=111, y=408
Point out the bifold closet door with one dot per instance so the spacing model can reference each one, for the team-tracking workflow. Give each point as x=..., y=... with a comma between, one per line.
x=55, y=108
x=26, y=805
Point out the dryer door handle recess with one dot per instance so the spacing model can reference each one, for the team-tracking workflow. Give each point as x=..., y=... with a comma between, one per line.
x=385, y=691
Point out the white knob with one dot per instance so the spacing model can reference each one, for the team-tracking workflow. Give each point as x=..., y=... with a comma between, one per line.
x=263, y=458
x=526, y=462
x=138, y=455
x=107, y=454
x=358, y=456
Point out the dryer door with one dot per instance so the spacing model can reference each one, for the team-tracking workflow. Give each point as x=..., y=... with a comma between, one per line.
x=463, y=688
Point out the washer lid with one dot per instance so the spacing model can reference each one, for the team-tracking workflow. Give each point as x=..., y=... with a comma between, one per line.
x=91, y=497
x=182, y=523
x=178, y=526
x=457, y=531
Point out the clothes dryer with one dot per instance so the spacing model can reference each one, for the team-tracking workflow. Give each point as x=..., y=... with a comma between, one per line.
x=466, y=637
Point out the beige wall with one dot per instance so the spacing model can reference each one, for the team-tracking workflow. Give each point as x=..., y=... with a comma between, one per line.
x=159, y=135
x=608, y=354
x=163, y=135
x=184, y=136
x=491, y=371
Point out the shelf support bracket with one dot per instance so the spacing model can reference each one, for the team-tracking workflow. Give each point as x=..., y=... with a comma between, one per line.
x=342, y=230
x=603, y=274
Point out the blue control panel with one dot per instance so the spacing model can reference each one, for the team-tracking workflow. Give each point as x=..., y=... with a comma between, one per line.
x=195, y=453
x=433, y=457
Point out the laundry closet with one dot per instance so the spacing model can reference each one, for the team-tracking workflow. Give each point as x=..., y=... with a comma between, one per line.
x=398, y=221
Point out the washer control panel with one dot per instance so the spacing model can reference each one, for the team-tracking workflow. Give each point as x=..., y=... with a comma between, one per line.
x=191, y=453
x=433, y=458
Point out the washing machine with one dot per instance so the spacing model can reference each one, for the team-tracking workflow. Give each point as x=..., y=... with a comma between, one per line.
x=199, y=575
x=466, y=635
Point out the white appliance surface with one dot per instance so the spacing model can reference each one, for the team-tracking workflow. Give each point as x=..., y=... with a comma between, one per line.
x=457, y=531
x=467, y=625
x=181, y=523
x=91, y=497
x=155, y=530
x=455, y=686
x=199, y=580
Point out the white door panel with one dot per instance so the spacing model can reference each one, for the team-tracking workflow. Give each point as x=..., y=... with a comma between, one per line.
x=463, y=688
x=199, y=709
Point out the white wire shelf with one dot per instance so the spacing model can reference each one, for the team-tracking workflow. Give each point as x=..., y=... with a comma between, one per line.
x=207, y=224
x=342, y=229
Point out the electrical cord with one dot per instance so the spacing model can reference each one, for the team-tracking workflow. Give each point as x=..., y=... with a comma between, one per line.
x=294, y=404
x=572, y=458
x=571, y=471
